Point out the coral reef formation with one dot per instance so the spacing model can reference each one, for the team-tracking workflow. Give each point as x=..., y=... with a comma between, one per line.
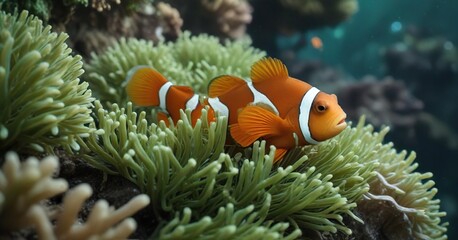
x=23, y=187
x=419, y=58
x=45, y=106
x=171, y=20
x=389, y=102
x=429, y=66
x=95, y=26
x=315, y=13
x=383, y=102
x=191, y=60
x=226, y=19
x=139, y=19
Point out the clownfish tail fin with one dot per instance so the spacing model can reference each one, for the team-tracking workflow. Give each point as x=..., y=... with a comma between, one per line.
x=143, y=84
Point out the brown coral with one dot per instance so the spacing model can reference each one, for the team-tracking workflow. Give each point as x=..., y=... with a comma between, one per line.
x=383, y=101
x=102, y=5
x=170, y=19
x=232, y=17
x=227, y=19
x=92, y=30
x=327, y=12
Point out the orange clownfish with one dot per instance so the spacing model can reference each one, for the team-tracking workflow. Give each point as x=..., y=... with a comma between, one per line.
x=272, y=106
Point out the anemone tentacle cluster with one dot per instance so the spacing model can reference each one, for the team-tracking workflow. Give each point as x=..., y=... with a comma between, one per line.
x=43, y=103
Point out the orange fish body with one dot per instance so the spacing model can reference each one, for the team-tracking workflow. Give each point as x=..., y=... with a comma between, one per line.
x=147, y=87
x=272, y=106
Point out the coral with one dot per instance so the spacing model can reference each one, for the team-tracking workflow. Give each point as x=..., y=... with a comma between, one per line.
x=232, y=17
x=102, y=5
x=110, y=18
x=419, y=57
x=321, y=13
x=141, y=20
x=24, y=185
x=227, y=19
x=384, y=101
x=171, y=19
x=191, y=61
x=428, y=65
x=42, y=101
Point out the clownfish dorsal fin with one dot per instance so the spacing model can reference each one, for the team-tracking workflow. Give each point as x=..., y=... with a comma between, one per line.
x=223, y=84
x=255, y=121
x=268, y=69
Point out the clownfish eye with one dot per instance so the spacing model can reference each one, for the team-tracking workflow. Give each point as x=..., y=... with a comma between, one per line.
x=321, y=108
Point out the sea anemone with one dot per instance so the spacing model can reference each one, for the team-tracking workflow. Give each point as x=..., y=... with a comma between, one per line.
x=42, y=100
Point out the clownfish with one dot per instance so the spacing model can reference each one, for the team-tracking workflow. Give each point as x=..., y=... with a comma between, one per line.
x=272, y=106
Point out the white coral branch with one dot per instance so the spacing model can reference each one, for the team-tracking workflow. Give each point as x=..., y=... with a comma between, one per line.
x=24, y=185
x=100, y=220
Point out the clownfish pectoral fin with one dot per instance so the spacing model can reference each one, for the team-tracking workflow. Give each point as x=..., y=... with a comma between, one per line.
x=223, y=84
x=255, y=121
x=268, y=69
x=240, y=136
x=279, y=154
x=143, y=84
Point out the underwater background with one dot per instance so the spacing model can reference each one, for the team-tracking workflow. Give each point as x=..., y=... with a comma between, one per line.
x=393, y=61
